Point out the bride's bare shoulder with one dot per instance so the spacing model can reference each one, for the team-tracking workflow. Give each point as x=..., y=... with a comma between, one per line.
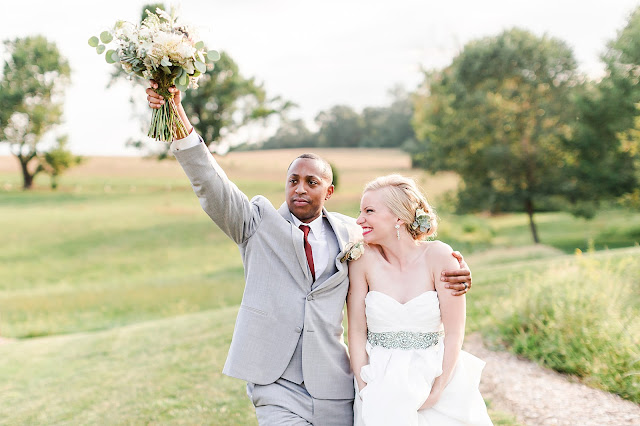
x=437, y=248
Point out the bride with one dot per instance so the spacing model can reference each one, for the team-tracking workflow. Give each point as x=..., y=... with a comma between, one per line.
x=405, y=331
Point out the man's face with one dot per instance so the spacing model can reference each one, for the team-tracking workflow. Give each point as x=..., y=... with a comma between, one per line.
x=307, y=189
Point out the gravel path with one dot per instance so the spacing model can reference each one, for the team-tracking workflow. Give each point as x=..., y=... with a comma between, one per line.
x=538, y=396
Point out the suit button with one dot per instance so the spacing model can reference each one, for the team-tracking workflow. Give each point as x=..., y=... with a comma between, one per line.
x=310, y=297
x=298, y=330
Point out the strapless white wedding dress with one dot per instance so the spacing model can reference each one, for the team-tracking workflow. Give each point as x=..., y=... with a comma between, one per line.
x=405, y=347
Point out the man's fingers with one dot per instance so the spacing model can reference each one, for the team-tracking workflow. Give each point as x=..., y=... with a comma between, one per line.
x=456, y=273
x=457, y=286
x=458, y=289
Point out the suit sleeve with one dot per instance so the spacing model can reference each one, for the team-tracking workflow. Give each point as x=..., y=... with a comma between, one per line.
x=220, y=198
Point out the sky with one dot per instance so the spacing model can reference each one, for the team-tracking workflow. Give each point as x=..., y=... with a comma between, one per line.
x=315, y=53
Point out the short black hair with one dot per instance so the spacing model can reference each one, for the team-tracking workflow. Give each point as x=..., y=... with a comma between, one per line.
x=327, y=172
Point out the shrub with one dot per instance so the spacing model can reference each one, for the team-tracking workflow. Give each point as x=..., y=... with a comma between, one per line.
x=582, y=319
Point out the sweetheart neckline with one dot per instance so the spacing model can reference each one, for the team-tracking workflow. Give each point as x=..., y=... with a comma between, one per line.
x=397, y=301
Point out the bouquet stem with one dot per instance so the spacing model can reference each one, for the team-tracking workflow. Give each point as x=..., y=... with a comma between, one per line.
x=166, y=125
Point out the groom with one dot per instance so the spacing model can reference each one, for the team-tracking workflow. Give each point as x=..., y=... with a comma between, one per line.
x=288, y=340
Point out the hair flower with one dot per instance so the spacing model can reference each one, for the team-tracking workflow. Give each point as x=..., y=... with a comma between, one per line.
x=422, y=221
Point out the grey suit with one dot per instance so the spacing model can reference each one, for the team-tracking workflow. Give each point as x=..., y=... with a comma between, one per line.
x=281, y=308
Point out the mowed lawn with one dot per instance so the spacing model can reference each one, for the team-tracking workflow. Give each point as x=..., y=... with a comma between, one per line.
x=122, y=293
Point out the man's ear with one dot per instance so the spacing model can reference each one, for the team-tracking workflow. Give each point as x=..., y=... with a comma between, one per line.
x=329, y=192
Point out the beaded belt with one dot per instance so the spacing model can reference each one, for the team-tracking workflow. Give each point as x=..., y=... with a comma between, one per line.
x=404, y=339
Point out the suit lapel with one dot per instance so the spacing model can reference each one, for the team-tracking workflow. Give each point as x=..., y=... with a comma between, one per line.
x=298, y=243
x=342, y=235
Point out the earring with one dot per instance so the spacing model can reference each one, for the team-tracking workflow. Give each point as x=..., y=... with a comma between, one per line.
x=397, y=230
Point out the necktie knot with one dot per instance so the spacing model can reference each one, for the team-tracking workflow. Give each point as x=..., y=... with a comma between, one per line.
x=306, y=229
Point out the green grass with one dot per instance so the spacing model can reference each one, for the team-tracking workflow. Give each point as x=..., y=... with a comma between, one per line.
x=158, y=372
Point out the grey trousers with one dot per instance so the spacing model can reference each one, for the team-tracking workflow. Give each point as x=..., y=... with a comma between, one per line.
x=284, y=403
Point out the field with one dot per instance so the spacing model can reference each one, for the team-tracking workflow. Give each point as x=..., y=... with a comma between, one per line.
x=121, y=293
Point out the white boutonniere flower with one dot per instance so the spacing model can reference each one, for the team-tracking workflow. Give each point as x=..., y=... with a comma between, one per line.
x=353, y=251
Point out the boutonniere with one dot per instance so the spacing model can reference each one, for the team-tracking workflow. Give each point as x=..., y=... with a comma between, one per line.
x=353, y=251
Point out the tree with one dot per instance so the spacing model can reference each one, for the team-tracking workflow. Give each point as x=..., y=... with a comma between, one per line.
x=291, y=134
x=225, y=101
x=340, y=126
x=57, y=160
x=501, y=115
x=389, y=126
x=30, y=94
x=606, y=164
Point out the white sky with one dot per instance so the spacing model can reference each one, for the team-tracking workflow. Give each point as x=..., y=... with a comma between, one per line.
x=316, y=54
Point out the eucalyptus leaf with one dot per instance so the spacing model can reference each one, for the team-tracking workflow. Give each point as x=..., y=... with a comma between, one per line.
x=184, y=80
x=115, y=56
x=109, y=56
x=166, y=70
x=200, y=45
x=165, y=62
x=94, y=42
x=196, y=73
x=200, y=66
x=106, y=37
x=182, y=87
x=213, y=55
x=180, y=72
x=100, y=49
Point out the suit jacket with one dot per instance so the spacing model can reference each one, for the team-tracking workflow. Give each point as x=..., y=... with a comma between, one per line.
x=278, y=302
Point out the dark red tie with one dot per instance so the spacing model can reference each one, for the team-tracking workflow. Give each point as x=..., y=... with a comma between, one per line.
x=307, y=250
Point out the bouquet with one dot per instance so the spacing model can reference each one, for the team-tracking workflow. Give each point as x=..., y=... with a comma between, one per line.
x=161, y=50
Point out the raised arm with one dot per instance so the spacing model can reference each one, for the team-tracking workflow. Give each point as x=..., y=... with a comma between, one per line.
x=453, y=312
x=220, y=198
x=357, y=330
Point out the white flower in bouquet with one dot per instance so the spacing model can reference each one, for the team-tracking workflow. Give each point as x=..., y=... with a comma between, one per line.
x=161, y=50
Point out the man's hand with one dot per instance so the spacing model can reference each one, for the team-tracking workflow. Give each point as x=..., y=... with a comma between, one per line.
x=460, y=279
x=156, y=101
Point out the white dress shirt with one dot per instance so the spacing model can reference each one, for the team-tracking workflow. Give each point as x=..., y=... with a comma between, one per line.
x=317, y=236
x=318, y=240
x=190, y=141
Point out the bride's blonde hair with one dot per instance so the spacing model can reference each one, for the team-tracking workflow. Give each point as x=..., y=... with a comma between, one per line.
x=402, y=196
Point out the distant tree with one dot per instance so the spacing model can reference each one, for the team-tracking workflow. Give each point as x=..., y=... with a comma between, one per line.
x=291, y=134
x=606, y=163
x=31, y=97
x=57, y=160
x=501, y=115
x=340, y=126
x=630, y=148
x=389, y=126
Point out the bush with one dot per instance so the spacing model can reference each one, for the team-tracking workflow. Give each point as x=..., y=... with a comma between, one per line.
x=582, y=319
